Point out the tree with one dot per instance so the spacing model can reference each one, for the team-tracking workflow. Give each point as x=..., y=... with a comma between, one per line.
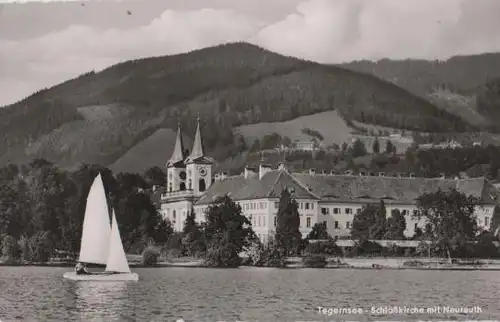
x=226, y=232
x=10, y=248
x=451, y=221
x=286, y=141
x=396, y=225
x=192, y=239
x=155, y=176
x=288, y=236
x=318, y=231
x=495, y=221
x=344, y=147
x=358, y=149
x=380, y=226
x=255, y=146
x=40, y=247
x=389, y=147
x=376, y=146
x=369, y=223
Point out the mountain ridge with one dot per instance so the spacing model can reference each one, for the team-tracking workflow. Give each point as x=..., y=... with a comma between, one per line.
x=228, y=85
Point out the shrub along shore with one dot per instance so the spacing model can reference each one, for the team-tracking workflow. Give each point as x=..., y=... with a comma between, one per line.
x=312, y=262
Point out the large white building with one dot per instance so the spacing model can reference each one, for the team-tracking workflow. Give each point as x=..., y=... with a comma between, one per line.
x=329, y=198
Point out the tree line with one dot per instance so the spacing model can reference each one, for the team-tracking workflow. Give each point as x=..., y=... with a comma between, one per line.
x=42, y=209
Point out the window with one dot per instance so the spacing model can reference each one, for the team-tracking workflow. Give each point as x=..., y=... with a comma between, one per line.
x=348, y=225
x=190, y=184
x=336, y=225
x=202, y=185
x=415, y=226
x=308, y=222
x=307, y=206
x=275, y=221
x=336, y=211
x=173, y=214
x=486, y=221
x=254, y=223
x=259, y=222
x=325, y=211
x=348, y=210
x=264, y=221
x=182, y=186
x=276, y=204
x=170, y=187
x=301, y=205
x=312, y=205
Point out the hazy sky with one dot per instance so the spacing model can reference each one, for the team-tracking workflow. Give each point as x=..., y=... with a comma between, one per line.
x=42, y=44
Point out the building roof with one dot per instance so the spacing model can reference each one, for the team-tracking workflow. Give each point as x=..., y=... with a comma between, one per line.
x=228, y=186
x=179, y=153
x=404, y=190
x=344, y=188
x=198, y=153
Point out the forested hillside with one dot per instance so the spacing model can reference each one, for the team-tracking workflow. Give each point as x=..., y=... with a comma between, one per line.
x=461, y=85
x=462, y=74
x=228, y=85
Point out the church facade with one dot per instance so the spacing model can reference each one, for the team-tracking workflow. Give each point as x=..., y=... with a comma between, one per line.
x=329, y=198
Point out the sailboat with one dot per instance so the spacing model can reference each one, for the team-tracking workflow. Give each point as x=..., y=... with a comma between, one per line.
x=101, y=243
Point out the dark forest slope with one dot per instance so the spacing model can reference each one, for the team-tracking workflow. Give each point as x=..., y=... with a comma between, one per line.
x=228, y=85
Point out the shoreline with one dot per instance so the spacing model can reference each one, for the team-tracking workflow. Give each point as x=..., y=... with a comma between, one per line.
x=374, y=263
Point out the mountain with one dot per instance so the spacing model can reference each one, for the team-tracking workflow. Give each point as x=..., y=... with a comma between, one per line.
x=453, y=84
x=98, y=117
x=488, y=98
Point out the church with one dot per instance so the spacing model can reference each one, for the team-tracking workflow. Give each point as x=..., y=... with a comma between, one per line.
x=322, y=197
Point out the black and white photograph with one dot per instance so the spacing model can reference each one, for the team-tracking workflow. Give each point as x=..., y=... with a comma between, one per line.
x=249, y=160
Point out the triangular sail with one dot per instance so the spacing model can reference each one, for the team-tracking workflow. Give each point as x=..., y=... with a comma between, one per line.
x=117, y=260
x=96, y=229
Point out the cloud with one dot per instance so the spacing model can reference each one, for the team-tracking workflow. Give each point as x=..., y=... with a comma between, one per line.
x=329, y=31
x=57, y=56
x=337, y=31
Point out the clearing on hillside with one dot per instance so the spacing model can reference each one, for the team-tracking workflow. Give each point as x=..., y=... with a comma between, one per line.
x=331, y=126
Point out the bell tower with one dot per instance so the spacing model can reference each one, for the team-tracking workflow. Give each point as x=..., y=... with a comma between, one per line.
x=176, y=167
x=199, y=166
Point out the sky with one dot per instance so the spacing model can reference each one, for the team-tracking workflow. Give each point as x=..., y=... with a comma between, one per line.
x=43, y=44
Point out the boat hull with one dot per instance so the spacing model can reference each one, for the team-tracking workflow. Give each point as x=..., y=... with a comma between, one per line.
x=102, y=277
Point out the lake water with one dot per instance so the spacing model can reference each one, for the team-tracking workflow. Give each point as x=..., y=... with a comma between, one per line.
x=245, y=294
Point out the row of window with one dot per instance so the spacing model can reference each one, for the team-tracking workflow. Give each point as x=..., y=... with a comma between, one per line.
x=260, y=221
x=336, y=211
x=263, y=205
x=255, y=205
x=348, y=225
x=349, y=211
x=182, y=186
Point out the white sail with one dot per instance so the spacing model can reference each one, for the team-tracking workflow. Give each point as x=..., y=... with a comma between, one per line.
x=96, y=229
x=117, y=260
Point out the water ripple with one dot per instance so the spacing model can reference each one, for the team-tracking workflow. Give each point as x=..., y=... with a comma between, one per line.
x=247, y=294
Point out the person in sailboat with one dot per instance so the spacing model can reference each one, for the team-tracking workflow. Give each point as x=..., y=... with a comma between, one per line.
x=81, y=269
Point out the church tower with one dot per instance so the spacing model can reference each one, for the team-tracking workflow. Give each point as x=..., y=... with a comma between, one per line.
x=176, y=167
x=199, y=167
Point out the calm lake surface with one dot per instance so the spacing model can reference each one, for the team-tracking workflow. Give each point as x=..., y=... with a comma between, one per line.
x=245, y=294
